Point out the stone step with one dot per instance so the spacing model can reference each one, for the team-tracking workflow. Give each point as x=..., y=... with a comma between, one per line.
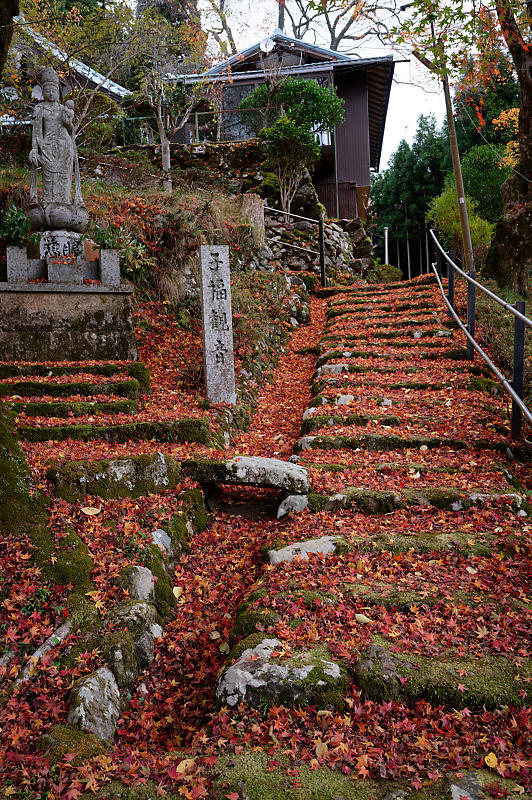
x=74, y=408
x=381, y=310
x=128, y=388
x=192, y=429
x=372, y=501
x=377, y=442
x=134, y=369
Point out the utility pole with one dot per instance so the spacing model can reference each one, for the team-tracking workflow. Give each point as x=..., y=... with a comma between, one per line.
x=457, y=167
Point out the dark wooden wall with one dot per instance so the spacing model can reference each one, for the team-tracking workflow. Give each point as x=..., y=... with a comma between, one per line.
x=352, y=151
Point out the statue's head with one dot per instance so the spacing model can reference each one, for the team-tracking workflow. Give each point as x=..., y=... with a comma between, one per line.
x=49, y=80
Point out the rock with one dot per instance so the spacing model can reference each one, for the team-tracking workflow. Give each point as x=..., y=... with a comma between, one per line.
x=250, y=471
x=386, y=403
x=303, y=225
x=94, y=704
x=138, y=581
x=377, y=666
x=118, y=650
x=326, y=545
x=162, y=540
x=468, y=788
x=141, y=620
x=304, y=443
x=417, y=334
x=332, y=369
x=294, y=459
x=293, y=504
x=345, y=399
x=309, y=678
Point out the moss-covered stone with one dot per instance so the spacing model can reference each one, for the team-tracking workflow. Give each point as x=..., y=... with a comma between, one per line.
x=308, y=677
x=325, y=420
x=389, y=596
x=247, y=623
x=118, y=652
x=63, y=739
x=17, y=507
x=481, y=544
x=183, y=430
x=83, y=614
x=376, y=442
x=129, y=388
x=76, y=409
x=126, y=477
x=479, y=384
x=164, y=599
x=456, y=681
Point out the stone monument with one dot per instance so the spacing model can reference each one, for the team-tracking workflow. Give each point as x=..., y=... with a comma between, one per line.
x=60, y=306
x=218, y=354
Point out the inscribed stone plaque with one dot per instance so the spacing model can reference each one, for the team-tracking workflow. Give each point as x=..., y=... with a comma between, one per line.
x=217, y=324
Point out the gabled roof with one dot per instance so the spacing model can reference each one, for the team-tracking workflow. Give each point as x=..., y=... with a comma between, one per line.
x=89, y=75
x=319, y=53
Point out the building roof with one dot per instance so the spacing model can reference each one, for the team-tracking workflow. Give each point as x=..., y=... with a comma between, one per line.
x=321, y=53
x=86, y=73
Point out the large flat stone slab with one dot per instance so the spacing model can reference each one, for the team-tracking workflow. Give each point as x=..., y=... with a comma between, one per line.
x=250, y=471
x=326, y=546
x=262, y=674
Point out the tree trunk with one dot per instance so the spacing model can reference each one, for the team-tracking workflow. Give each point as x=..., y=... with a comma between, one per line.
x=509, y=259
x=8, y=10
x=165, y=154
x=280, y=21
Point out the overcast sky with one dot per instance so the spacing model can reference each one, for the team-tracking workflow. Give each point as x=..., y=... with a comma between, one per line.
x=413, y=93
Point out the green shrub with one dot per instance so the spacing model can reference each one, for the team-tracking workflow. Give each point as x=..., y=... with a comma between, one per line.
x=15, y=227
x=443, y=212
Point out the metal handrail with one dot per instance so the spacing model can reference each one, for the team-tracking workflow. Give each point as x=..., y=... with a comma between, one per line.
x=508, y=387
x=499, y=300
x=321, y=239
x=295, y=246
x=291, y=214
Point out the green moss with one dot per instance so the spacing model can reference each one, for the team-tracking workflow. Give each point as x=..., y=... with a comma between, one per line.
x=146, y=791
x=489, y=681
x=164, y=600
x=74, y=564
x=323, y=421
x=125, y=668
x=389, y=596
x=141, y=373
x=317, y=502
x=430, y=541
x=83, y=614
x=63, y=739
x=439, y=498
x=249, y=642
x=183, y=430
x=76, y=409
x=204, y=470
x=372, y=501
x=486, y=385
x=246, y=622
x=310, y=281
x=17, y=507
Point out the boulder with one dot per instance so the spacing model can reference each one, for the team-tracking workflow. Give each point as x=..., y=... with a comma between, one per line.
x=118, y=651
x=326, y=545
x=138, y=581
x=251, y=471
x=160, y=538
x=94, y=704
x=141, y=620
x=259, y=676
x=293, y=504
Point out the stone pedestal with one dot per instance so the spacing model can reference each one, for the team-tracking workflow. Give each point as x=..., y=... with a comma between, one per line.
x=63, y=322
x=60, y=317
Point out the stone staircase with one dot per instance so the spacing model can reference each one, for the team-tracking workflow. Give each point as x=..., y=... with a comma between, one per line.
x=419, y=502
x=86, y=401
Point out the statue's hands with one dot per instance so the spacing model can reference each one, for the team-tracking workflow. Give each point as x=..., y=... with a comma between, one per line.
x=34, y=158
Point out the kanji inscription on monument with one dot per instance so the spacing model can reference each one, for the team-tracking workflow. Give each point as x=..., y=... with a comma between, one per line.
x=217, y=324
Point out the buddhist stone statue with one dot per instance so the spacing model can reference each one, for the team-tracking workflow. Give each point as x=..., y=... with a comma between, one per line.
x=54, y=151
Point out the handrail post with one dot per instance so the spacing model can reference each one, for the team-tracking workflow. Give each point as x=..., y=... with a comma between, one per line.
x=322, y=253
x=450, y=282
x=519, y=369
x=471, y=311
